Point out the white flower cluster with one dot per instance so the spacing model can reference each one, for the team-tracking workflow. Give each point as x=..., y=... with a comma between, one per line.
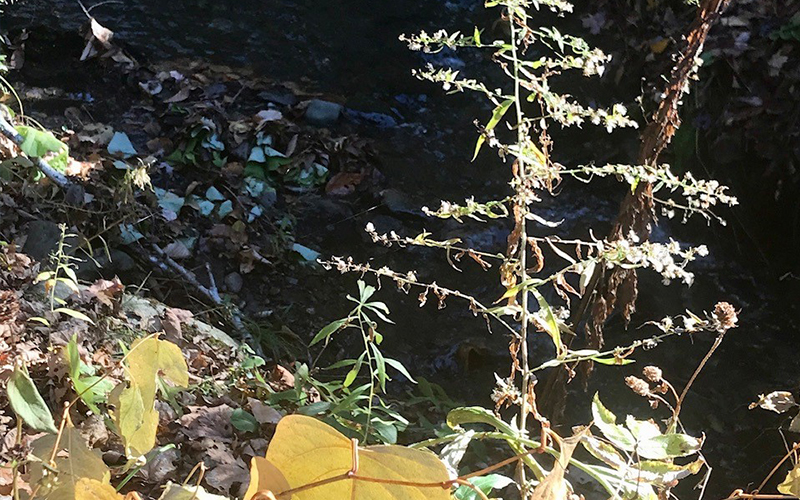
x=701, y=195
x=659, y=257
x=471, y=209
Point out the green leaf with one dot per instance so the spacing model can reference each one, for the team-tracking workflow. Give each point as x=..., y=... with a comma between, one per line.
x=399, y=367
x=607, y=423
x=476, y=35
x=92, y=390
x=550, y=324
x=791, y=485
x=330, y=329
x=614, y=361
x=244, y=421
x=314, y=408
x=351, y=376
x=668, y=446
x=27, y=403
x=175, y=491
x=478, y=415
x=38, y=143
x=497, y=115
x=380, y=365
x=484, y=483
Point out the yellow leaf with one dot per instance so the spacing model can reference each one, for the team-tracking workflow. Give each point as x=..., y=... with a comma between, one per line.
x=150, y=356
x=91, y=489
x=791, y=485
x=135, y=416
x=74, y=461
x=264, y=477
x=305, y=451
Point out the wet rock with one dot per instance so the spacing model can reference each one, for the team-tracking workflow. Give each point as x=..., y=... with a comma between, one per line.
x=43, y=237
x=399, y=202
x=268, y=198
x=323, y=113
x=103, y=266
x=284, y=98
x=234, y=282
x=379, y=120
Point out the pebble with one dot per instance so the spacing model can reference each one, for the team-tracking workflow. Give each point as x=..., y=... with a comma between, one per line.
x=234, y=282
x=323, y=113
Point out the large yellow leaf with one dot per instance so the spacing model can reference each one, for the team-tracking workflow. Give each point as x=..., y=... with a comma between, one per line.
x=91, y=489
x=305, y=450
x=135, y=416
x=151, y=356
x=74, y=462
x=265, y=477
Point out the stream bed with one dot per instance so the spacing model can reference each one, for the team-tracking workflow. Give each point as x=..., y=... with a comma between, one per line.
x=348, y=51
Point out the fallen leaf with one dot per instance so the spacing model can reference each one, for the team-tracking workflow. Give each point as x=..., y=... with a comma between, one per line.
x=264, y=413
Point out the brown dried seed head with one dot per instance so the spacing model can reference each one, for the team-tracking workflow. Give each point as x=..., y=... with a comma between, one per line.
x=638, y=386
x=726, y=315
x=652, y=373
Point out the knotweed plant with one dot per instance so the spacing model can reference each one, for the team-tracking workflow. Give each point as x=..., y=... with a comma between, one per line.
x=637, y=459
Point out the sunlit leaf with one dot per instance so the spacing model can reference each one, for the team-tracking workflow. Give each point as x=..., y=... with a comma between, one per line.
x=606, y=421
x=187, y=492
x=484, y=483
x=553, y=486
x=497, y=115
x=668, y=446
x=777, y=401
x=330, y=329
x=264, y=476
x=92, y=489
x=73, y=461
x=296, y=458
x=92, y=390
x=550, y=325
x=791, y=485
x=135, y=416
x=75, y=314
x=399, y=367
x=27, y=403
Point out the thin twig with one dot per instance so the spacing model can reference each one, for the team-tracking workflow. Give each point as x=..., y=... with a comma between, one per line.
x=166, y=263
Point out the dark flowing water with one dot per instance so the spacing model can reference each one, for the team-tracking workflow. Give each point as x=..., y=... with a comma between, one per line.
x=348, y=50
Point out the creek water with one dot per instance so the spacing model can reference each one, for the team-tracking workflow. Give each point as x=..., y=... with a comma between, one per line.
x=348, y=51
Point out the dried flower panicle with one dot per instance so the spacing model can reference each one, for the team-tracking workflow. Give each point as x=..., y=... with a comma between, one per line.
x=725, y=316
x=639, y=386
x=653, y=374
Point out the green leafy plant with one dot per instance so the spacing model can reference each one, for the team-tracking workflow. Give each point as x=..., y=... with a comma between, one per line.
x=519, y=131
x=62, y=274
x=361, y=405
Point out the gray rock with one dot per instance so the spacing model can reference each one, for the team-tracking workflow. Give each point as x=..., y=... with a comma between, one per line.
x=323, y=113
x=234, y=282
x=284, y=98
x=43, y=237
x=101, y=266
x=268, y=198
